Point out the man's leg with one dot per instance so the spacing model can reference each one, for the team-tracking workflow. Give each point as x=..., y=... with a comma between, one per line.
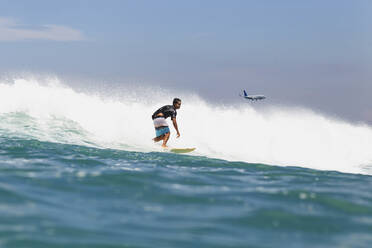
x=165, y=140
x=157, y=139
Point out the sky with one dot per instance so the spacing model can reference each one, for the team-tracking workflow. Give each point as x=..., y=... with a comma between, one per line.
x=315, y=54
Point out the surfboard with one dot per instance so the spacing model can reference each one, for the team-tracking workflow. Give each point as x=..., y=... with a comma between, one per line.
x=182, y=150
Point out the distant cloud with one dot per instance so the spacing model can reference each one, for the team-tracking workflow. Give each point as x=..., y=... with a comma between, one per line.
x=11, y=30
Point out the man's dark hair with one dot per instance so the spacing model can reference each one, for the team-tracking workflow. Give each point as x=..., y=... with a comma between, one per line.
x=176, y=100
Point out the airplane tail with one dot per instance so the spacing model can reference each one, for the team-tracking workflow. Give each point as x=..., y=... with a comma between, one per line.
x=245, y=93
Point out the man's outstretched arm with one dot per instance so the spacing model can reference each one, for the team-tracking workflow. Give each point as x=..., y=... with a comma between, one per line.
x=176, y=126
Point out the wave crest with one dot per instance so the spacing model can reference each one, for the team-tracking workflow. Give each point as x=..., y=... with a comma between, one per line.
x=51, y=111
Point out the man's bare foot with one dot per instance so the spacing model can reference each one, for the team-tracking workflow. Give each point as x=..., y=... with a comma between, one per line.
x=164, y=146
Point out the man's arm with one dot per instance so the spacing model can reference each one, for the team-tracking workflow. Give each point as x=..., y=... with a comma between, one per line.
x=175, y=126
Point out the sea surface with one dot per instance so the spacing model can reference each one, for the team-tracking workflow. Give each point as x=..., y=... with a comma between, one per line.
x=80, y=170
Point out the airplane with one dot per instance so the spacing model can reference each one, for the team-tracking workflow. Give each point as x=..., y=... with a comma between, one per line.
x=253, y=97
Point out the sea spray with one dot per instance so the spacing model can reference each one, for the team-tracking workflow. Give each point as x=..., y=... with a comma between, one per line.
x=51, y=111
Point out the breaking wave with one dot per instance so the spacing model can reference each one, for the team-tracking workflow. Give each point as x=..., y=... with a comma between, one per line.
x=48, y=110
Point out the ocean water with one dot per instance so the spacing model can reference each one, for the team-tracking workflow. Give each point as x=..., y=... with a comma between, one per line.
x=79, y=169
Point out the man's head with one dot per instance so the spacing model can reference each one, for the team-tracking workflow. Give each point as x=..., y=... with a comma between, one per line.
x=177, y=103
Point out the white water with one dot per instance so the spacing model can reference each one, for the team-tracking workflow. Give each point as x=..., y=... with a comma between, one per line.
x=49, y=111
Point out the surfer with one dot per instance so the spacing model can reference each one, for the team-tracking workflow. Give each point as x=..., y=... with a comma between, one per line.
x=161, y=126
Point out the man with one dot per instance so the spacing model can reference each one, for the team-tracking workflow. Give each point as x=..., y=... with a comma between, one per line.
x=161, y=126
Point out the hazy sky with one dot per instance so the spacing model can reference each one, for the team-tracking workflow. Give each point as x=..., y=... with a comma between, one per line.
x=314, y=53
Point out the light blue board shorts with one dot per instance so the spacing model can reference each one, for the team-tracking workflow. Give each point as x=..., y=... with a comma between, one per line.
x=162, y=131
x=161, y=126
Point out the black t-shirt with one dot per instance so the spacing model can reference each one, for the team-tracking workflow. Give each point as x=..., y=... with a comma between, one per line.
x=167, y=110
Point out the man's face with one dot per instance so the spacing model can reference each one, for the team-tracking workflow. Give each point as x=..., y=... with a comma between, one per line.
x=177, y=105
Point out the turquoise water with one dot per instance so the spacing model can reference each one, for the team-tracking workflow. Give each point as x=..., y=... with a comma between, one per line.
x=80, y=170
x=60, y=195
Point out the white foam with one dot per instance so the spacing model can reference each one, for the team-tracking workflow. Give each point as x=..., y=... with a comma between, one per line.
x=276, y=135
